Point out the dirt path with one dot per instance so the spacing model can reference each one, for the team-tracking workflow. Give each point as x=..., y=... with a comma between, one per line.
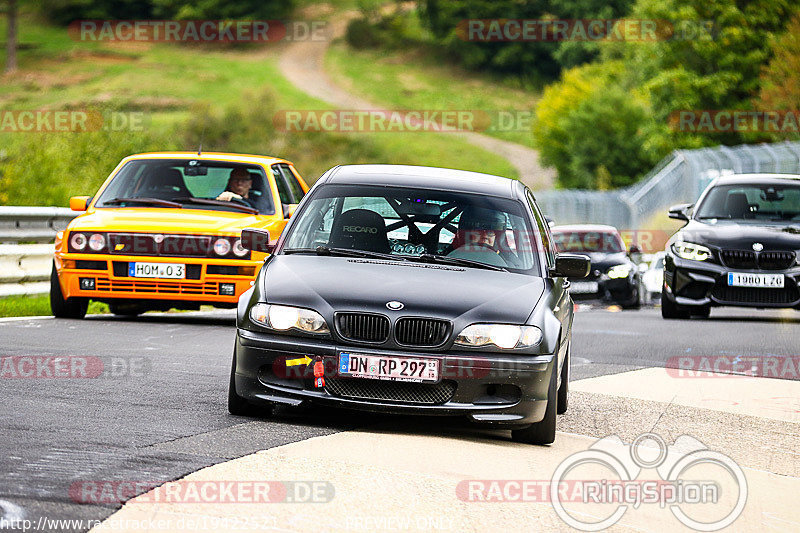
x=302, y=63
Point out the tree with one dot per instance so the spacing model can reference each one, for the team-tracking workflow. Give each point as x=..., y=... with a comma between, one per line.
x=11, y=36
x=780, y=79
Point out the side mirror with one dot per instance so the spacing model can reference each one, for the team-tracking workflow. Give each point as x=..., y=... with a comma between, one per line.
x=680, y=212
x=634, y=249
x=571, y=266
x=256, y=240
x=79, y=203
x=550, y=221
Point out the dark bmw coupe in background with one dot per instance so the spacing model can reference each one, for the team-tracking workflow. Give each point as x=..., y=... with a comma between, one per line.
x=411, y=290
x=613, y=276
x=738, y=248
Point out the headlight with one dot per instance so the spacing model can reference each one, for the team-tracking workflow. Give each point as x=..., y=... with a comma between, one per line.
x=690, y=250
x=503, y=336
x=238, y=251
x=619, y=271
x=78, y=241
x=222, y=246
x=284, y=318
x=97, y=242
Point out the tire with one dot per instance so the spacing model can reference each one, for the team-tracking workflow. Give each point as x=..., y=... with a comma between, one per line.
x=125, y=309
x=65, y=307
x=671, y=309
x=563, y=390
x=237, y=405
x=636, y=301
x=543, y=432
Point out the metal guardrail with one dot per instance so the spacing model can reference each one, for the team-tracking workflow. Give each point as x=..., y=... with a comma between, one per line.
x=678, y=178
x=32, y=224
x=25, y=260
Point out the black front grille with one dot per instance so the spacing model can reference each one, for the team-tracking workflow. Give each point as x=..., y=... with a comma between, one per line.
x=91, y=265
x=761, y=260
x=775, y=260
x=755, y=296
x=739, y=259
x=391, y=391
x=421, y=331
x=363, y=327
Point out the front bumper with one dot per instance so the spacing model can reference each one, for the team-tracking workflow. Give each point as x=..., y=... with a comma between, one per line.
x=495, y=390
x=701, y=283
x=203, y=282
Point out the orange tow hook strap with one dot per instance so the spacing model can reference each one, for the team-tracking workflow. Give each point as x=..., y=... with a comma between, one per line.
x=319, y=374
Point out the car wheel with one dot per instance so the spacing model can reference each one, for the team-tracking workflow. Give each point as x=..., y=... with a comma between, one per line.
x=563, y=390
x=543, y=432
x=236, y=404
x=65, y=307
x=636, y=301
x=670, y=308
x=701, y=312
x=125, y=309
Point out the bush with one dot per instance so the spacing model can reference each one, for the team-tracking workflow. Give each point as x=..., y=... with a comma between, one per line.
x=593, y=132
x=48, y=168
x=361, y=33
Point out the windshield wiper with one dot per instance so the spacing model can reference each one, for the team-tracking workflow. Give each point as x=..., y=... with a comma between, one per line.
x=445, y=260
x=208, y=201
x=143, y=200
x=345, y=252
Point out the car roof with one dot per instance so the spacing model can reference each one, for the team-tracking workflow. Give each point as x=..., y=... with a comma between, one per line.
x=584, y=227
x=761, y=179
x=210, y=156
x=423, y=178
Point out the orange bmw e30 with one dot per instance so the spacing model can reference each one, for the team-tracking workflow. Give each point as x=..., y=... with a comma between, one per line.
x=164, y=232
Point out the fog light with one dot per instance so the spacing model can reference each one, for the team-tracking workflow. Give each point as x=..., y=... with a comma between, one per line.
x=86, y=284
x=227, y=289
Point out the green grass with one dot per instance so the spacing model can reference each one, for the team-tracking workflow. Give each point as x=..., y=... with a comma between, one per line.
x=167, y=82
x=38, y=305
x=417, y=79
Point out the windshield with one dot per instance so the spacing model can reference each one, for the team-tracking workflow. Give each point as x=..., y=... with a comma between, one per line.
x=414, y=224
x=588, y=241
x=752, y=202
x=190, y=184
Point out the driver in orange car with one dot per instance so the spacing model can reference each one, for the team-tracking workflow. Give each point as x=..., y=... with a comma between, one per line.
x=238, y=186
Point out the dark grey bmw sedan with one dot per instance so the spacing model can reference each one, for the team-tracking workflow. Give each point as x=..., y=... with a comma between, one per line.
x=408, y=289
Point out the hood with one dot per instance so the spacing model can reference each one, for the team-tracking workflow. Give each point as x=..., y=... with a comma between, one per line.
x=740, y=235
x=170, y=220
x=329, y=284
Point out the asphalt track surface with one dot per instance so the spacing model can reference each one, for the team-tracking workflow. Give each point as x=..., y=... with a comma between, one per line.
x=158, y=411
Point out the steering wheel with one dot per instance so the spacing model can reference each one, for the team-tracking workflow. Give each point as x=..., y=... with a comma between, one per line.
x=240, y=201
